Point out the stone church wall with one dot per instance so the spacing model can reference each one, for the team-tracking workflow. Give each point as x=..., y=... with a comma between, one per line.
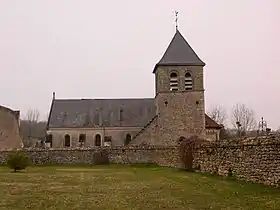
x=118, y=135
x=147, y=135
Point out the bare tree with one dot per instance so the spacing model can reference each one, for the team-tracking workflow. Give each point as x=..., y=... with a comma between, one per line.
x=243, y=118
x=218, y=113
x=32, y=116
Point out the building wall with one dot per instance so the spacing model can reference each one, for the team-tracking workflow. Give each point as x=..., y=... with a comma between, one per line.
x=148, y=134
x=180, y=113
x=118, y=135
x=212, y=134
x=9, y=128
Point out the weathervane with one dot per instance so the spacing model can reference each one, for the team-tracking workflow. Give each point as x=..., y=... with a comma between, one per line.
x=176, y=20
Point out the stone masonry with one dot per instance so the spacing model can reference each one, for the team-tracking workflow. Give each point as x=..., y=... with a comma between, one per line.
x=180, y=113
x=164, y=156
x=250, y=159
x=254, y=159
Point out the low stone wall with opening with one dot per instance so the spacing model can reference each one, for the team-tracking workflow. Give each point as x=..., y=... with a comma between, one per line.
x=250, y=159
x=253, y=159
x=164, y=156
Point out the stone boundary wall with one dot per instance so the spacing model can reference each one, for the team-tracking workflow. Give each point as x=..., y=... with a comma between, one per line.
x=255, y=159
x=252, y=159
x=163, y=156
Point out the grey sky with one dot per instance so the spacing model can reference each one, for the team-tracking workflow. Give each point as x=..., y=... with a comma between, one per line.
x=107, y=49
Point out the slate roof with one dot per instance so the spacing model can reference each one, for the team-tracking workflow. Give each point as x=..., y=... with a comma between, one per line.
x=71, y=113
x=179, y=53
x=98, y=112
x=210, y=123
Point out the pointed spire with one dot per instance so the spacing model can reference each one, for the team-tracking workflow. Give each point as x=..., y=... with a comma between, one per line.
x=179, y=53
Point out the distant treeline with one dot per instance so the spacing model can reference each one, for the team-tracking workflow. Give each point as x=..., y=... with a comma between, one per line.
x=30, y=131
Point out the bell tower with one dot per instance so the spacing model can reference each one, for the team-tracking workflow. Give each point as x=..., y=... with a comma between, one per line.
x=179, y=93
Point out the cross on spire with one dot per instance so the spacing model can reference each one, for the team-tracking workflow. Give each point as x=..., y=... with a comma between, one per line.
x=176, y=19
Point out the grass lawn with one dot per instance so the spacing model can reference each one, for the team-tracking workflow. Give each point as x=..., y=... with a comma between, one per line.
x=127, y=187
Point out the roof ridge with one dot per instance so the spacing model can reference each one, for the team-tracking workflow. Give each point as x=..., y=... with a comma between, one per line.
x=91, y=99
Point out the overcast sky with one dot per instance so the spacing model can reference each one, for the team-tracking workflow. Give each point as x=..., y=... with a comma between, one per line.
x=107, y=49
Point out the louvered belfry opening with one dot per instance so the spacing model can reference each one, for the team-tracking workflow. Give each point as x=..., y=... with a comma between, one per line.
x=188, y=81
x=173, y=81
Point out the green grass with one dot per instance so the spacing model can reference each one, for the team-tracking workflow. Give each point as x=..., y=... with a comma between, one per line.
x=128, y=187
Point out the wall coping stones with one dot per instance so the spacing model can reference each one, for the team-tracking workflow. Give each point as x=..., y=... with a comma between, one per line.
x=244, y=141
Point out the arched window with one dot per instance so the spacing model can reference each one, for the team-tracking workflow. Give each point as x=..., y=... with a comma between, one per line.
x=67, y=141
x=173, y=81
x=127, y=138
x=97, y=140
x=188, y=81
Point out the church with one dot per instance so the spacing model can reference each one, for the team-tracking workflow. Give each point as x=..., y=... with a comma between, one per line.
x=177, y=110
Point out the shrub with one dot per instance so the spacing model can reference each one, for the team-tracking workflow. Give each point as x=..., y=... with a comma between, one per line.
x=17, y=161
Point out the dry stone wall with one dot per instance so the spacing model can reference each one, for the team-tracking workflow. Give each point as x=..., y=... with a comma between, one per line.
x=251, y=159
x=164, y=156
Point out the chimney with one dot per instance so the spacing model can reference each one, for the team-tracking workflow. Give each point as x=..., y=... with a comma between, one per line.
x=53, y=95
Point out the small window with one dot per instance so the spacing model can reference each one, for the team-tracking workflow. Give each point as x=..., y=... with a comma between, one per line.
x=121, y=115
x=67, y=141
x=108, y=139
x=188, y=81
x=97, y=140
x=82, y=138
x=127, y=139
x=49, y=139
x=173, y=82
